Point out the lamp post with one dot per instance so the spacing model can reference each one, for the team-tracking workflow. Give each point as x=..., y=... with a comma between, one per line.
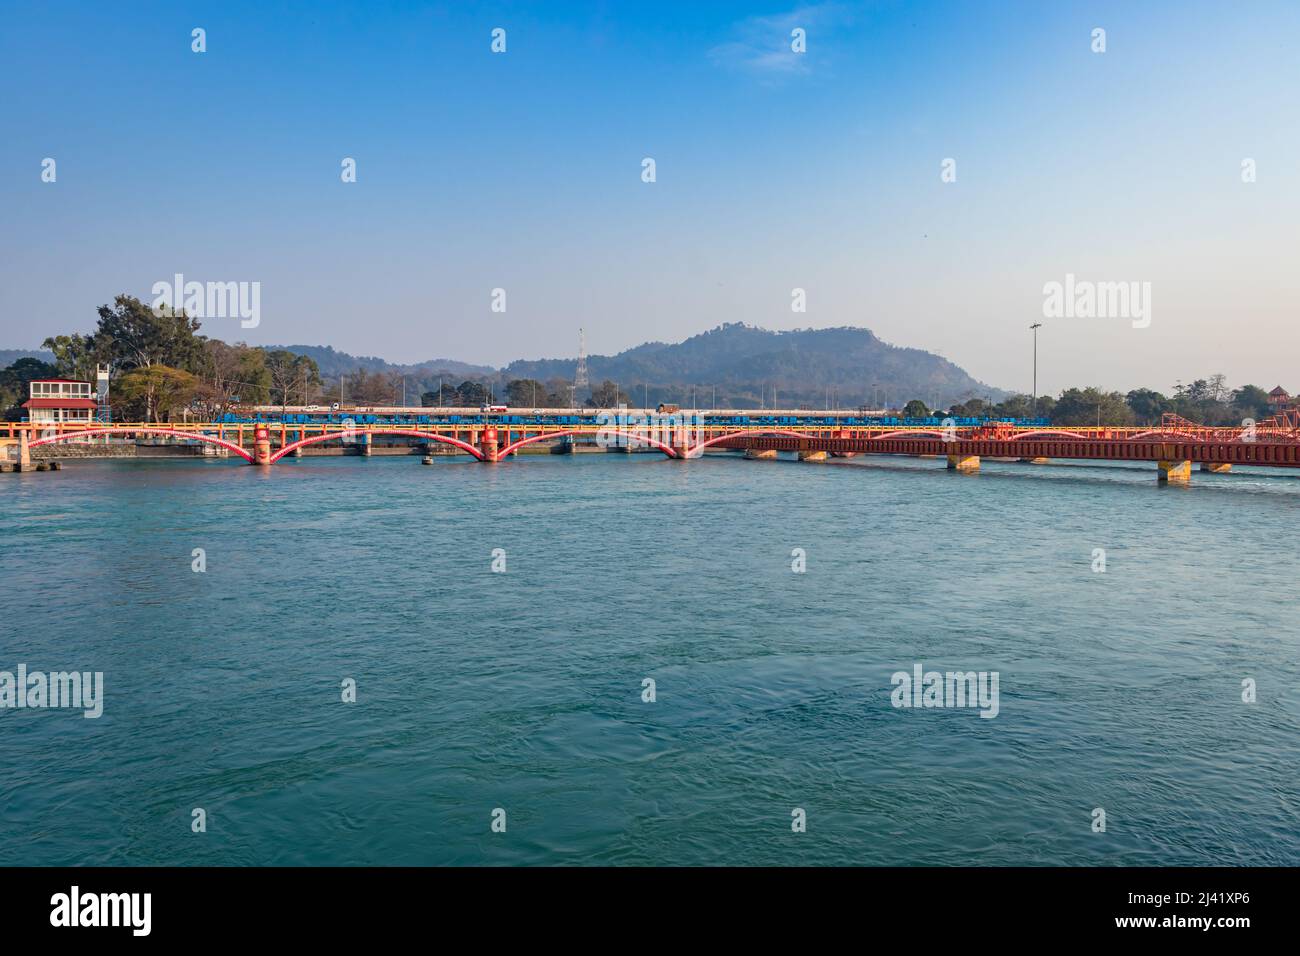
x=1034, y=328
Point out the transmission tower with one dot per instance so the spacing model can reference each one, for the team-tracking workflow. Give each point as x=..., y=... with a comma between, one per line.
x=580, y=376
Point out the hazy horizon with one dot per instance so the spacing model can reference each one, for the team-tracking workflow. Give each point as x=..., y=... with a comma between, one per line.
x=775, y=171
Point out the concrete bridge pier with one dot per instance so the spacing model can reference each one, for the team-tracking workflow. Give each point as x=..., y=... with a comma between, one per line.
x=1216, y=467
x=488, y=444
x=261, y=445
x=24, y=453
x=813, y=455
x=365, y=444
x=755, y=454
x=967, y=464
x=1175, y=472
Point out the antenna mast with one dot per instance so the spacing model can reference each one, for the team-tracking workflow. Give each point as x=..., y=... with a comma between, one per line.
x=580, y=376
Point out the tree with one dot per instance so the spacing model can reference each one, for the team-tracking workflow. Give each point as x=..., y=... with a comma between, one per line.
x=916, y=409
x=1147, y=405
x=75, y=355
x=131, y=336
x=1251, y=401
x=1091, y=406
x=558, y=393
x=1016, y=406
x=973, y=408
x=234, y=373
x=607, y=395
x=472, y=394
x=294, y=376
x=152, y=393
x=525, y=392
x=14, y=382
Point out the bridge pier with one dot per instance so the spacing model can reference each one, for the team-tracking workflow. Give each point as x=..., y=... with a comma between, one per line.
x=813, y=455
x=1033, y=461
x=1216, y=467
x=261, y=445
x=365, y=445
x=754, y=454
x=488, y=445
x=968, y=464
x=1175, y=472
x=24, y=453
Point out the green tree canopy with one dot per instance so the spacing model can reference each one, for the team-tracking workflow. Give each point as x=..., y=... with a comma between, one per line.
x=1089, y=406
x=1147, y=405
x=131, y=335
x=152, y=394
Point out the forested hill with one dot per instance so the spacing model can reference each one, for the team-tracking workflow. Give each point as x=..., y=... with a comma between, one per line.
x=743, y=362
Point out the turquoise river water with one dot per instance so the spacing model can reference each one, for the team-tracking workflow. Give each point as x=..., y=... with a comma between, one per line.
x=523, y=690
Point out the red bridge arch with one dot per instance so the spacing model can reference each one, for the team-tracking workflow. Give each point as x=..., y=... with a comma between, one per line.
x=135, y=430
x=406, y=432
x=631, y=435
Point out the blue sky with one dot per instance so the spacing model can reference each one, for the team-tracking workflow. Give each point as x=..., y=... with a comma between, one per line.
x=522, y=171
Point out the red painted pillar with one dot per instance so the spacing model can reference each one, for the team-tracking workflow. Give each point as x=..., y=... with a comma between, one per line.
x=678, y=443
x=488, y=444
x=261, y=445
x=845, y=434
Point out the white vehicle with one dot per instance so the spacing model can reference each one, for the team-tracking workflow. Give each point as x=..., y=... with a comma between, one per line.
x=494, y=409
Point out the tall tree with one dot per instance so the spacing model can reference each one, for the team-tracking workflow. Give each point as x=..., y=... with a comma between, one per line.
x=1251, y=401
x=75, y=355
x=293, y=377
x=525, y=391
x=132, y=336
x=1091, y=406
x=607, y=395
x=1147, y=405
x=472, y=393
x=153, y=393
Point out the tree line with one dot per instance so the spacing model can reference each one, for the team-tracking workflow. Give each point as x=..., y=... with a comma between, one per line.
x=1203, y=401
x=164, y=370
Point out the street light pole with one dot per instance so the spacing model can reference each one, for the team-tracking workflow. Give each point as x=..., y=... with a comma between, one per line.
x=1034, y=328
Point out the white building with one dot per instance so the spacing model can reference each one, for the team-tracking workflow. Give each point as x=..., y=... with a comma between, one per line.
x=60, y=400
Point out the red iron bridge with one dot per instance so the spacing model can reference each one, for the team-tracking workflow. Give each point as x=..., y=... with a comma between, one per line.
x=1173, y=446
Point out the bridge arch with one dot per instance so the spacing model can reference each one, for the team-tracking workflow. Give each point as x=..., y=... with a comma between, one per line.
x=406, y=432
x=632, y=435
x=1054, y=432
x=926, y=432
x=1161, y=433
x=697, y=450
x=138, y=430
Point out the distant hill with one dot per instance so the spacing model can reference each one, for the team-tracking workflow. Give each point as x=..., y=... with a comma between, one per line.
x=9, y=356
x=743, y=362
x=333, y=363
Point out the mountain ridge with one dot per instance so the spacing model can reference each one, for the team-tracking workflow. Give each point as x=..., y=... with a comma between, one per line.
x=732, y=364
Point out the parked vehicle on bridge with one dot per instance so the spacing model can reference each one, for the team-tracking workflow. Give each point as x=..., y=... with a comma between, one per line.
x=494, y=409
x=666, y=408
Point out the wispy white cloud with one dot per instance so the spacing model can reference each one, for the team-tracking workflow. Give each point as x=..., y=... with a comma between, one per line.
x=761, y=45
